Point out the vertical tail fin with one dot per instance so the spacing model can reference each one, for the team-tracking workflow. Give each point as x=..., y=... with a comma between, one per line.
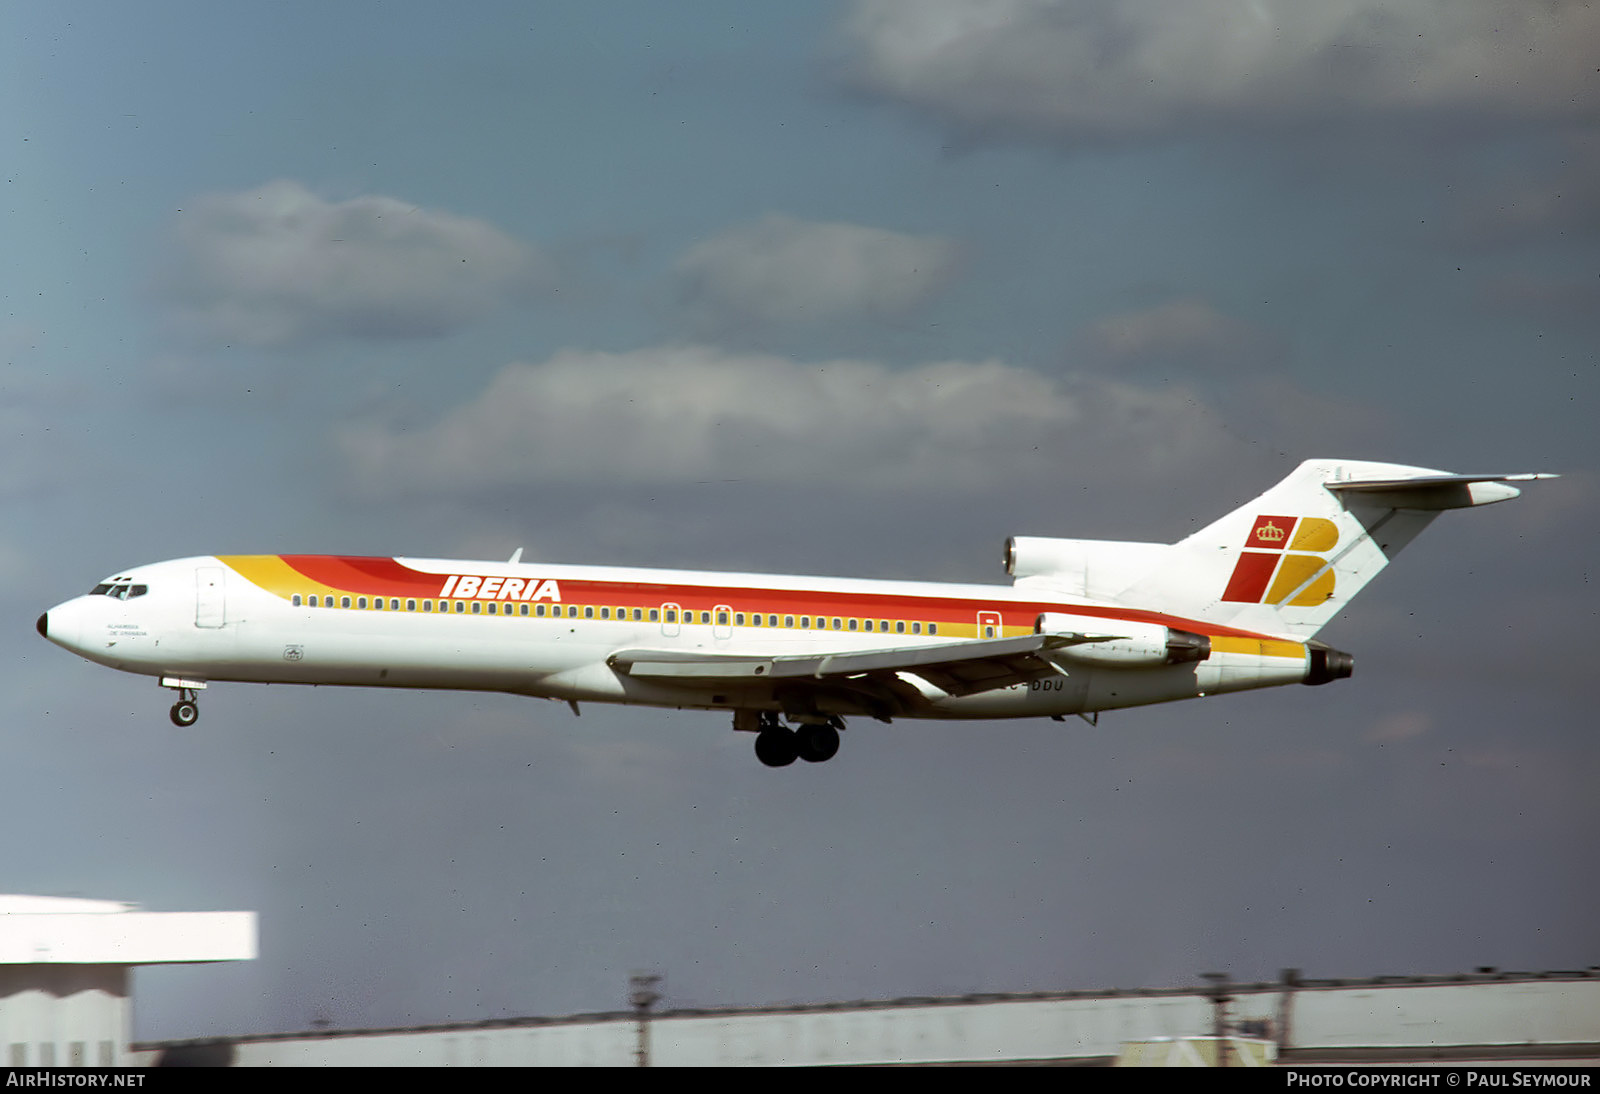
x=1288, y=562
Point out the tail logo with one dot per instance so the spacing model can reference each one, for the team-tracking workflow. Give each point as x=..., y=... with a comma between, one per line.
x=1268, y=534
x=1267, y=573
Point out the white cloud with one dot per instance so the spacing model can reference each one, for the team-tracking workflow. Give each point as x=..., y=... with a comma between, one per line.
x=1185, y=333
x=279, y=265
x=688, y=414
x=780, y=269
x=1076, y=69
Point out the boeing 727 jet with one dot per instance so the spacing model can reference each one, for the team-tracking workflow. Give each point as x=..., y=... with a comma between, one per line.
x=1084, y=626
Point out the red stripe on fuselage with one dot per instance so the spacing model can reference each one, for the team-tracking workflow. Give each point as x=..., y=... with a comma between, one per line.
x=387, y=577
x=372, y=576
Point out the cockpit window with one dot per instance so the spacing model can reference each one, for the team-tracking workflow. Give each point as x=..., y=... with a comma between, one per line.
x=122, y=590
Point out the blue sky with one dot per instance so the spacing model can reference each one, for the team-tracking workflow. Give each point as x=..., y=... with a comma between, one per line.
x=691, y=286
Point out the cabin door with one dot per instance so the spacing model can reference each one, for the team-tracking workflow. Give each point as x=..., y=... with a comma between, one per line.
x=210, y=604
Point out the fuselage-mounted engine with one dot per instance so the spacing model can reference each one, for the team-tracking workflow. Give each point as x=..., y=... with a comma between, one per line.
x=1116, y=643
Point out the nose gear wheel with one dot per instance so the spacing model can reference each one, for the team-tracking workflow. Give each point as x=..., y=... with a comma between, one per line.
x=185, y=712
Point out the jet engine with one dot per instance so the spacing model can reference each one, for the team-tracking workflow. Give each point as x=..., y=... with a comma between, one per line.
x=1095, y=568
x=1118, y=644
x=1327, y=664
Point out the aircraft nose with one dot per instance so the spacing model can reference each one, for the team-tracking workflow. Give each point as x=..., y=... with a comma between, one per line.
x=61, y=625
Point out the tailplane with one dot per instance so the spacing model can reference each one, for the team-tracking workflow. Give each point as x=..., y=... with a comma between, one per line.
x=1288, y=562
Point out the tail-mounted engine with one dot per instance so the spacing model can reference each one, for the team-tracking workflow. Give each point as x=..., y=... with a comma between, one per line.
x=1096, y=568
x=1117, y=644
x=1326, y=664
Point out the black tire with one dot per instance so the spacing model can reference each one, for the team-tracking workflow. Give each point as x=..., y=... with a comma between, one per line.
x=817, y=743
x=776, y=747
x=185, y=714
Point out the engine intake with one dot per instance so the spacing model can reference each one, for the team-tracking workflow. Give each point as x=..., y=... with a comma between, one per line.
x=1097, y=569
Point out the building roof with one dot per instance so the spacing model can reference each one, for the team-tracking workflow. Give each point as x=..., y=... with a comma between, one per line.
x=69, y=930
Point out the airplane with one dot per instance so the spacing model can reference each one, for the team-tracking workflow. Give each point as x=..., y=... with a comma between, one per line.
x=1085, y=625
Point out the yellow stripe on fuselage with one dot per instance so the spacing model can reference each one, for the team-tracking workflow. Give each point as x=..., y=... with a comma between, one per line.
x=271, y=573
x=1257, y=647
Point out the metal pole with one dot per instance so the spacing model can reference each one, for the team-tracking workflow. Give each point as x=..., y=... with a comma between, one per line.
x=1218, y=991
x=642, y=995
x=1291, y=980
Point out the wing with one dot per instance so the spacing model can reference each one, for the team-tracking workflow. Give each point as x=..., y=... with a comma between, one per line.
x=875, y=680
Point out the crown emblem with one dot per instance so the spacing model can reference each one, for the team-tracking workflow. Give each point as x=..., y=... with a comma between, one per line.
x=1270, y=533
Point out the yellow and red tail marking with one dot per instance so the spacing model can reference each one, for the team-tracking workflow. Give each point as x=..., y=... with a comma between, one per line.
x=1284, y=560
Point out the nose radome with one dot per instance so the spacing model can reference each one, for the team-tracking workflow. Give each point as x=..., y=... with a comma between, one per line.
x=44, y=625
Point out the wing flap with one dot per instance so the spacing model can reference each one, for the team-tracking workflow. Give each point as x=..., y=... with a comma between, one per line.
x=957, y=668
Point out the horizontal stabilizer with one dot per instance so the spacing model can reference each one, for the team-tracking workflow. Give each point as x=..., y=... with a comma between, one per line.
x=1434, y=492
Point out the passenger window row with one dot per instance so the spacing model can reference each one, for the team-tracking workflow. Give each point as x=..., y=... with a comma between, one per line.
x=635, y=615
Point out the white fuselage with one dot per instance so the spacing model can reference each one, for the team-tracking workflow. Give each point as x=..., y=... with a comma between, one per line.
x=552, y=631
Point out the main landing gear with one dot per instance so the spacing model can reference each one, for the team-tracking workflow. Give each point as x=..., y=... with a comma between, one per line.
x=779, y=746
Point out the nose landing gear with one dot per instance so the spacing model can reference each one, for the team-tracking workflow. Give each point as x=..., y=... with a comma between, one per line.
x=185, y=712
